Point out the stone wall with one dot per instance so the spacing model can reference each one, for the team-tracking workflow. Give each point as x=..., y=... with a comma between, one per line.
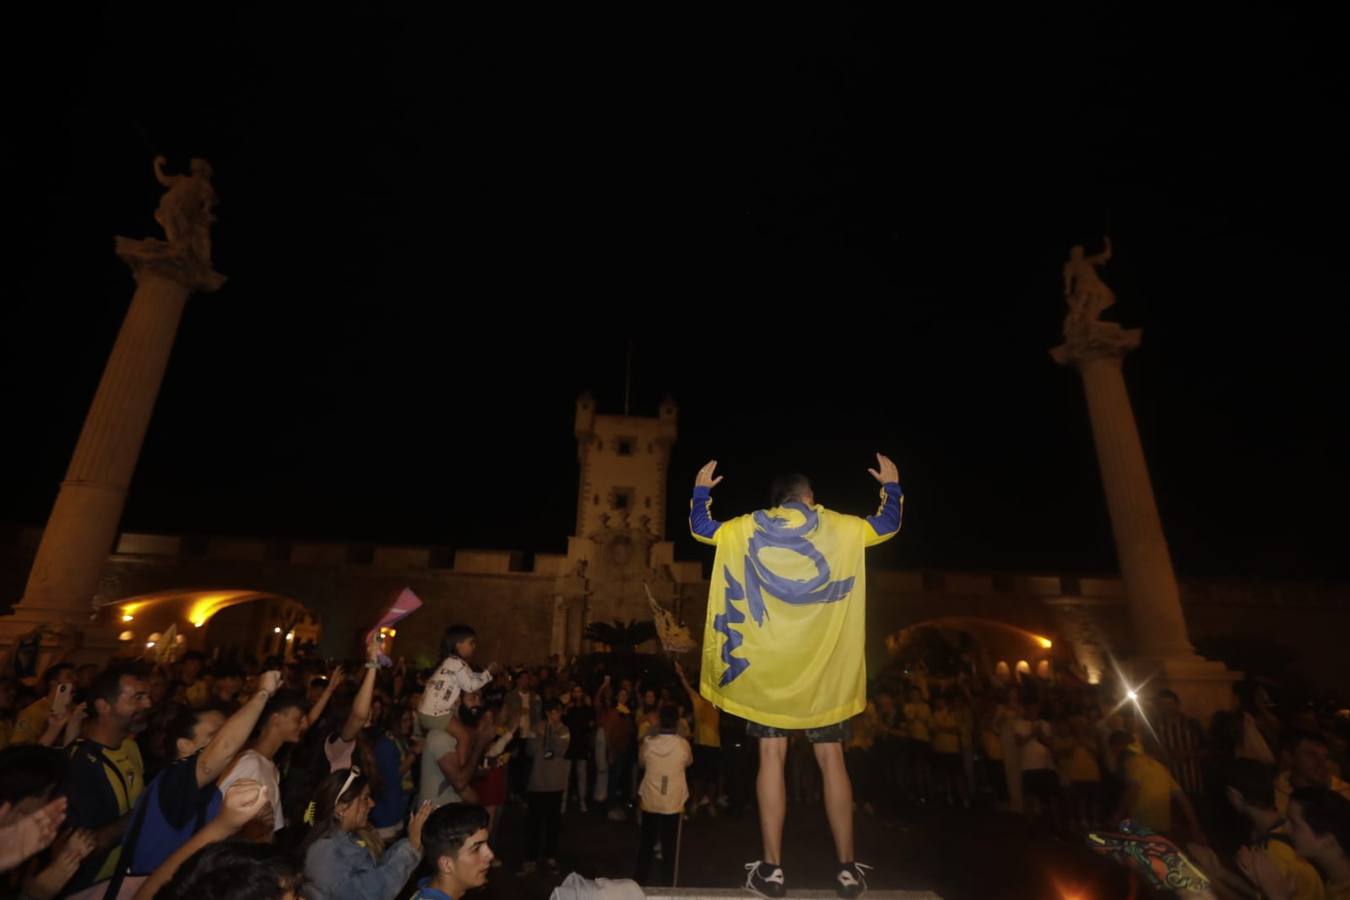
x=513, y=600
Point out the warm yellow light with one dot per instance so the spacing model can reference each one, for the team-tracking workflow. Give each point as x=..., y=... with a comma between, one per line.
x=149, y=644
x=128, y=617
x=290, y=635
x=1045, y=642
x=207, y=605
x=277, y=630
x=393, y=632
x=127, y=636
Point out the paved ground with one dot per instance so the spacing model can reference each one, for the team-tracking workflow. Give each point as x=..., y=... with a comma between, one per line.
x=958, y=855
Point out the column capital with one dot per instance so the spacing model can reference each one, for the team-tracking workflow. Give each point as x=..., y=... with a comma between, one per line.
x=1092, y=341
x=160, y=259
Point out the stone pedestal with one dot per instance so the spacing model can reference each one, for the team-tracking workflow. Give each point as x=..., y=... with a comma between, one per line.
x=1204, y=686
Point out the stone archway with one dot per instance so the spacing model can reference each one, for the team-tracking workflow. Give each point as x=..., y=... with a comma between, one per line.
x=243, y=621
x=995, y=649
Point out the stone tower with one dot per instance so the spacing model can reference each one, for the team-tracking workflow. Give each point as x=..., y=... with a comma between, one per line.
x=620, y=541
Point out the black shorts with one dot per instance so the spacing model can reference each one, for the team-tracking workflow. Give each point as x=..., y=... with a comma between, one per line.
x=827, y=734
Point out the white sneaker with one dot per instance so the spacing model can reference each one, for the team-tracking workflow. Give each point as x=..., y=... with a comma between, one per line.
x=850, y=882
x=765, y=879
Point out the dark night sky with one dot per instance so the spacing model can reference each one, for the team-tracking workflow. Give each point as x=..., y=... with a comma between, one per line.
x=826, y=233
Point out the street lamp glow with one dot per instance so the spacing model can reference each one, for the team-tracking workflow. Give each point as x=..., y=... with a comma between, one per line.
x=1132, y=695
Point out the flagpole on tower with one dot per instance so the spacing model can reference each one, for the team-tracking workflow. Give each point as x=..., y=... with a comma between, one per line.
x=628, y=378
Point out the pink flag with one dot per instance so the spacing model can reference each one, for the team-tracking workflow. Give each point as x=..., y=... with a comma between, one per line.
x=405, y=604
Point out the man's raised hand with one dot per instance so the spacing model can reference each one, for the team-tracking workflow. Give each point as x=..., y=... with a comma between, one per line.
x=705, y=476
x=885, y=472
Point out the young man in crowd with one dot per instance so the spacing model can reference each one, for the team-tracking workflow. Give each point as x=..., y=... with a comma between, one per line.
x=455, y=846
x=1307, y=764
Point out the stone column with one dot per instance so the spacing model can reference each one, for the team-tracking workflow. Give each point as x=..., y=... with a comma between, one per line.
x=1145, y=564
x=84, y=521
x=1163, y=651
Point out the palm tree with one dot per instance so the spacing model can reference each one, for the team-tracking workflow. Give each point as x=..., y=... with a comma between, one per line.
x=619, y=637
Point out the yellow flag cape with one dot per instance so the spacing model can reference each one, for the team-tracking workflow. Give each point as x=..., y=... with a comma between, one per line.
x=783, y=643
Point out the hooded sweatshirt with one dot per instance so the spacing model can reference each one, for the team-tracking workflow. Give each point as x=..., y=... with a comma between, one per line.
x=665, y=756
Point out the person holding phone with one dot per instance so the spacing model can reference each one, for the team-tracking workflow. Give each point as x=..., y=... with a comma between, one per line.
x=31, y=723
x=66, y=720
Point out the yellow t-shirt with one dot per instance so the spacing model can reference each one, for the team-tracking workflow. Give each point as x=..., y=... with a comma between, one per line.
x=1297, y=871
x=646, y=727
x=1082, y=764
x=1061, y=745
x=126, y=790
x=1153, y=804
x=946, y=733
x=32, y=722
x=123, y=772
x=918, y=717
x=993, y=744
x=965, y=719
x=706, y=718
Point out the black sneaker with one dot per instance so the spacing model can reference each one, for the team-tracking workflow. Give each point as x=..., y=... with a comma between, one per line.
x=765, y=879
x=850, y=882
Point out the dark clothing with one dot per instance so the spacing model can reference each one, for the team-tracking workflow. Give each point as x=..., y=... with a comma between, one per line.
x=665, y=827
x=103, y=784
x=543, y=824
x=580, y=721
x=175, y=808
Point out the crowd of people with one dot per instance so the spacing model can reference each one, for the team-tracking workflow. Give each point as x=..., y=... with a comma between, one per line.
x=372, y=781
x=1253, y=800
x=141, y=779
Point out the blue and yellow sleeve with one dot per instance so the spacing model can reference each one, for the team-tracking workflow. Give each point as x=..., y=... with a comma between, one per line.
x=701, y=523
x=886, y=523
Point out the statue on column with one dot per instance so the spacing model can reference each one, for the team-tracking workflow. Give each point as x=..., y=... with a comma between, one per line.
x=1085, y=292
x=184, y=211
